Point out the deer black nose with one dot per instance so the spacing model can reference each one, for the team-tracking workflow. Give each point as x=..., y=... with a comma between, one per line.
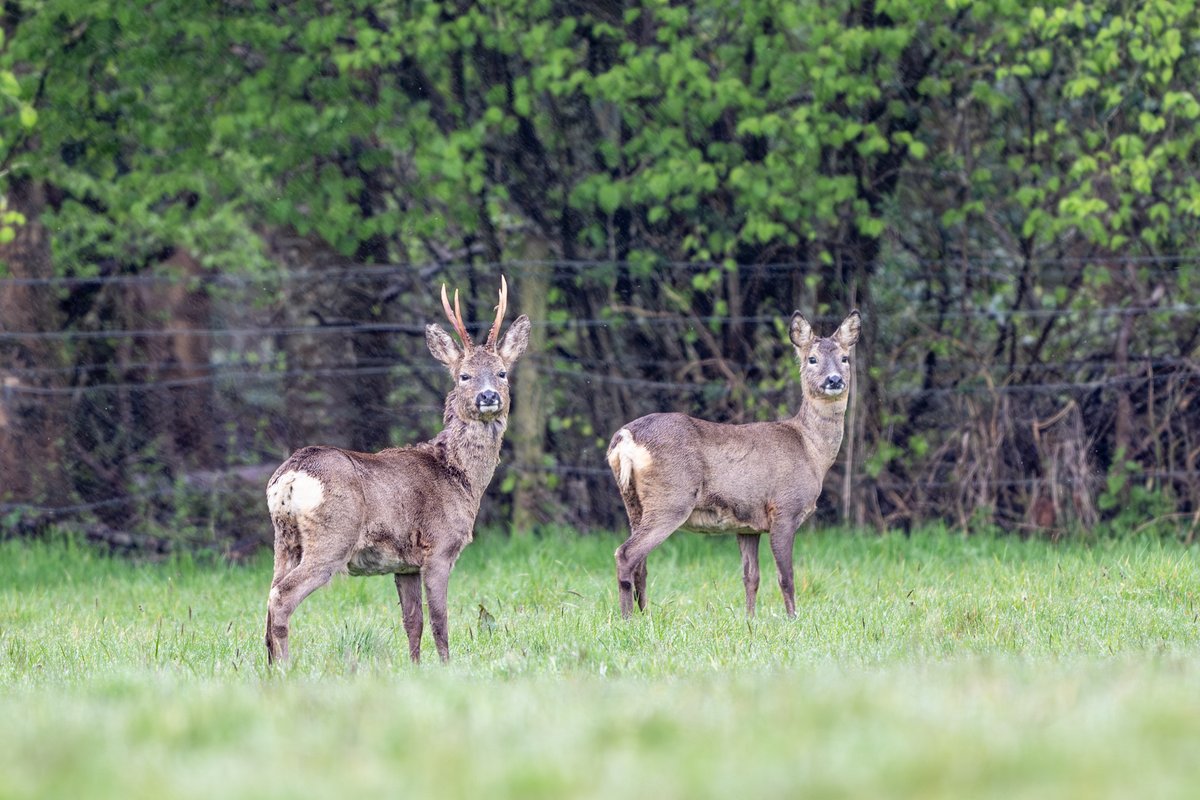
x=835, y=383
x=487, y=398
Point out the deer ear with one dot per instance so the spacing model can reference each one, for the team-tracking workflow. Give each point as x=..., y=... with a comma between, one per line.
x=515, y=341
x=847, y=332
x=444, y=348
x=801, y=333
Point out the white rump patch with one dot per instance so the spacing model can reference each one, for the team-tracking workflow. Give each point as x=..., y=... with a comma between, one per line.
x=295, y=493
x=628, y=458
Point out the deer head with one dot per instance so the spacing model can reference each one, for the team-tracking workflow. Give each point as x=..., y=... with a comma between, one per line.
x=824, y=362
x=480, y=372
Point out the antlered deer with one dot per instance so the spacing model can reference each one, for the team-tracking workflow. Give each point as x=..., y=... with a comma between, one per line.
x=675, y=471
x=407, y=511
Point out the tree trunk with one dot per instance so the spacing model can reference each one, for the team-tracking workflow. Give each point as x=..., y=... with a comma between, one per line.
x=32, y=422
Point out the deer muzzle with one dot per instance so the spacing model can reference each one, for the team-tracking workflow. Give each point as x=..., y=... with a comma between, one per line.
x=488, y=401
x=834, y=384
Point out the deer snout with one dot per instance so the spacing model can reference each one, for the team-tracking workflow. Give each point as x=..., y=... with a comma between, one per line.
x=488, y=400
x=834, y=384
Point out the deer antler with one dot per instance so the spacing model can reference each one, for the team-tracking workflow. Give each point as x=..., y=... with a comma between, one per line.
x=455, y=318
x=500, y=309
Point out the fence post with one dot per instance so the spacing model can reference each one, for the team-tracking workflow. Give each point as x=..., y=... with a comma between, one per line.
x=529, y=427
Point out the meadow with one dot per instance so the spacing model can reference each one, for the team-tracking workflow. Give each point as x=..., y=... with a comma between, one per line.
x=923, y=666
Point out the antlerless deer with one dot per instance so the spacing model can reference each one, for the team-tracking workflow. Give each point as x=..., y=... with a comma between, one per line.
x=407, y=511
x=675, y=471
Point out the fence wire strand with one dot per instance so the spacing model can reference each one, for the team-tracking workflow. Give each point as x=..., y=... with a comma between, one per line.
x=114, y=384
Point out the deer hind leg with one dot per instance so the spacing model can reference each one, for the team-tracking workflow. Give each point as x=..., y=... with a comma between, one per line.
x=287, y=557
x=639, y=585
x=308, y=576
x=748, y=544
x=408, y=586
x=650, y=531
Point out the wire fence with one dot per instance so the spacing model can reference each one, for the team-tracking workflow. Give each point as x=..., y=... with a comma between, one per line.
x=152, y=405
x=1161, y=263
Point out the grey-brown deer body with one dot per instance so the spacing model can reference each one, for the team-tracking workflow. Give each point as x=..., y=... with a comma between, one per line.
x=675, y=471
x=407, y=511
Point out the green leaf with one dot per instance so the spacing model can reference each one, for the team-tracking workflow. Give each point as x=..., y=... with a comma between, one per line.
x=9, y=86
x=608, y=197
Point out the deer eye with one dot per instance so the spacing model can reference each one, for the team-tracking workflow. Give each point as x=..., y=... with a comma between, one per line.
x=812, y=359
x=464, y=377
x=501, y=374
x=845, y=359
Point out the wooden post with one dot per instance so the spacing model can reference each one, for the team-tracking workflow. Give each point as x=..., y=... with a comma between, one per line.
x=529, y=398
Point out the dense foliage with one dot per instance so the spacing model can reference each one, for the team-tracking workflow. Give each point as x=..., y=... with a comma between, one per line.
x=1007, y=189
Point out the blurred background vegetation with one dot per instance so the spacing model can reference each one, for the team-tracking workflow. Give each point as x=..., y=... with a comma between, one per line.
x=225, y=224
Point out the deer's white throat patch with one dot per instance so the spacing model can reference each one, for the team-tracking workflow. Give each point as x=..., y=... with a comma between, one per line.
x=295, y=493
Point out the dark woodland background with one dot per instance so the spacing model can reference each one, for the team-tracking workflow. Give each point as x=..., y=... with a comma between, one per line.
x=225, y=225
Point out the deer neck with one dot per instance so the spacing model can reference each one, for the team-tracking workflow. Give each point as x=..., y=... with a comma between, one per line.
x=821, y=425
x=471, y=449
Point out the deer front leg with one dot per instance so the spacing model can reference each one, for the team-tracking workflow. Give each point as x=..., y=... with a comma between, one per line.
x=408, y=586
x=436, y=577
x=748, y=544
x=782, y=539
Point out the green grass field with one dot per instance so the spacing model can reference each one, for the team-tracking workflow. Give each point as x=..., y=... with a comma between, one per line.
x=923, y=667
